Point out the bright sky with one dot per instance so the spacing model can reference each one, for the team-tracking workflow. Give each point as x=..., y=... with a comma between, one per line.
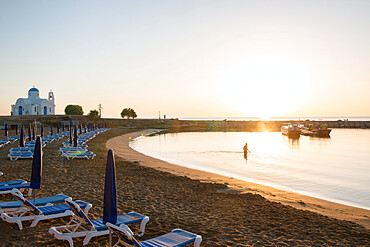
x=201, y=58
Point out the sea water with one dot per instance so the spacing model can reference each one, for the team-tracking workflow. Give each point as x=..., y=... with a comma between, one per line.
x=335, y=168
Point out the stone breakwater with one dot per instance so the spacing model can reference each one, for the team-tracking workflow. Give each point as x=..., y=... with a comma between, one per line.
x=180, y=125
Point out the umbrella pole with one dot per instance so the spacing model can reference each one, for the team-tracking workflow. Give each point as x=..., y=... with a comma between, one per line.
x=34, y=196
x=110, y=238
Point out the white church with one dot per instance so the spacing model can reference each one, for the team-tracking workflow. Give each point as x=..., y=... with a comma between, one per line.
x=33, y=105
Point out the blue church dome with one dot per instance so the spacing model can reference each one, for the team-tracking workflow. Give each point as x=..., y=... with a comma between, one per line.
x=33, y=90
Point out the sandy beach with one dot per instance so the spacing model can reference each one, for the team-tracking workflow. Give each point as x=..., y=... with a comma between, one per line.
x=177, y=197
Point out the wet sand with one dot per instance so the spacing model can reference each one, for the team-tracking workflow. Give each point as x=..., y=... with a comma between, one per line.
x=172, y=201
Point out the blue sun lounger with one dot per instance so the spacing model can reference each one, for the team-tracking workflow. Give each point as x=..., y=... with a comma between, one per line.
x=82, y=226
x=11, y=182
x=86, y=155
x=20, y=155
x=176, y=238
x=13, y=138
x=64, y=150
x=7, y=188
x=36, y=214
x=24, y=149
x=4, y=142
x=47, y=201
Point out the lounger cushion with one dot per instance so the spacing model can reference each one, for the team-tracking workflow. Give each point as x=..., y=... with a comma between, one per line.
x=17, y=181
x=40, y=201
x=176, y=238
x=129, y=218
x=55, y=209
x=15, y=186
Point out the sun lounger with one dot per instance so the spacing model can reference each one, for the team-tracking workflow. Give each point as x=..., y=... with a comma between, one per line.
x=86, y=155
x=71, y=146
x=32, y=144
x=24, y=149
x=176, y=238
x=36, y=214
x=82, y=226
x=13, y=138
x=20, y=155
x=69, y=150
x=21, y=186
x=11, y=182
x=4, y=141
x=45, y=201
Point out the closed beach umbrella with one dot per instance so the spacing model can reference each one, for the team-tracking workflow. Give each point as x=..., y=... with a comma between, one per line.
x=75, y=138
x=21, y=138
x=29, y=133
x=63, y=127
x=58, y=129
x=16, y=130
x=80, y=129
x=51, y=130
x=110, y=193
x=70, y=136
x=36, y=167
x=33, y=133
x=42, y=131
x=6, y=130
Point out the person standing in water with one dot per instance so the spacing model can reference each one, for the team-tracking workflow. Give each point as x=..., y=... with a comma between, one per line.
x=246, y=150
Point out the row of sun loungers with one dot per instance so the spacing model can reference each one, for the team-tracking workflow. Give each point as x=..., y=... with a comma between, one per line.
x=80, y=226
x=70, y=152
x=25, y=152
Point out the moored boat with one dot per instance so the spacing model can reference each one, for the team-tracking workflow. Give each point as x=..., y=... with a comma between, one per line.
x=291, y=130
x=316, y=130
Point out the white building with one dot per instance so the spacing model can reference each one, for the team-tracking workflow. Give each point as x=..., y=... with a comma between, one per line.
x=33, y=105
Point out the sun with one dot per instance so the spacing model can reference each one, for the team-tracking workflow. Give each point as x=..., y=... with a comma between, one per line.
x=265, y=86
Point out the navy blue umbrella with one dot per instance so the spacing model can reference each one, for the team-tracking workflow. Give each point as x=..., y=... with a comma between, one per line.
x=33, y=133
x=16, y=130
x=75, y=138
x=6, y=130
x=80, y=129
x=58, y=128
x=51, y=130
x=70, y=136
x=29, y=133
x=63, y=127
x=110, y=193
x=42, y=131
x=36, y=167
x=21, y=138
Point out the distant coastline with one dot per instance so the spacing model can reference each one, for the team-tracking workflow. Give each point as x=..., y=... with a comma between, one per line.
x=174, y=125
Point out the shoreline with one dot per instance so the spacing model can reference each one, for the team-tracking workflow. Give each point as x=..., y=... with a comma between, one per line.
x=120, y=145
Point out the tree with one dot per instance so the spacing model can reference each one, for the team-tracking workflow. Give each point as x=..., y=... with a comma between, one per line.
x=73, y=110
x=128, y=112
x=94, y=114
